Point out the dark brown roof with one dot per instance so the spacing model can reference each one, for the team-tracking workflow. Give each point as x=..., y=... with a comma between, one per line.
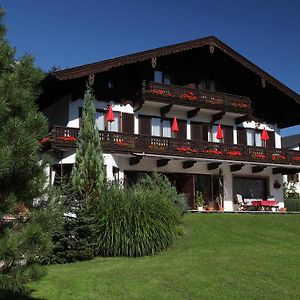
x=290, y=141
x=106, y=65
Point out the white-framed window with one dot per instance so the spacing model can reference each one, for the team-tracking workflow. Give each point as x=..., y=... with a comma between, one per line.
x=155, y=126
x=114, y=126
x=161, y=127
x=212, y=135
x=162, y=77
x=100, y=120
x=253, y=138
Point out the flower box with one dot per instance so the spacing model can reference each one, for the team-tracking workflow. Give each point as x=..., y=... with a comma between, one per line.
x=186, y=149
x=160, y=93
x=157, y=147
x=213, y=151
x=67, y=138
x=188, y=96
x=278, y=157
x=233, y=153
x=259, y=156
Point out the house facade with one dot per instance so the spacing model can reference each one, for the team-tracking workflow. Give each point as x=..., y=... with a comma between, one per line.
x=198, y=112
x=292, y=142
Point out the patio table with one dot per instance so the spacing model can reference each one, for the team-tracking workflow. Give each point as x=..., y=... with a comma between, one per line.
x=265, y=204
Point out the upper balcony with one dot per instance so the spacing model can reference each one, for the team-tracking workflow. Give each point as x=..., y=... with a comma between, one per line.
x=180, y=95
x=63, y=138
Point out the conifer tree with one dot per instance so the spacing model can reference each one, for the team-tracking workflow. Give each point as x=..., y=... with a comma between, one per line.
x=88, y=176
x=75, y=241
x=23, y=236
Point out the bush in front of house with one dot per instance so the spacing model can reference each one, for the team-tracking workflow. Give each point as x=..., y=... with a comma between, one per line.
x=135, y=221
x=292, y=204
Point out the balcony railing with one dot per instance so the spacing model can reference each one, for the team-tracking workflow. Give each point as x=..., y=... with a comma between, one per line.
x=65, y=138
x=193, y=97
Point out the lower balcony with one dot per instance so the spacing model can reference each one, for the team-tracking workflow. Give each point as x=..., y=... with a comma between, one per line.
x=64, y=139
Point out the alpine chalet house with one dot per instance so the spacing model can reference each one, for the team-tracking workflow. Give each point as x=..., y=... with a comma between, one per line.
x=197, y=111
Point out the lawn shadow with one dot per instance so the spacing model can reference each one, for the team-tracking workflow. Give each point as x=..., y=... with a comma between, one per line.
x=10, y=295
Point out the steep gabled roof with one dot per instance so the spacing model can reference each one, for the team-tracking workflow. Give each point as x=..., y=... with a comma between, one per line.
x=106, y=65
x=290, y=141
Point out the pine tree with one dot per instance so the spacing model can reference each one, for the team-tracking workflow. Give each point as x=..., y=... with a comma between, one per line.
x=86, y=183
x=23, y=239
x=88, y=176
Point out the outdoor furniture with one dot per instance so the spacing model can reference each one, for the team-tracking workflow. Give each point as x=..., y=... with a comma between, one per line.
x=242, y=205
x=265, y=205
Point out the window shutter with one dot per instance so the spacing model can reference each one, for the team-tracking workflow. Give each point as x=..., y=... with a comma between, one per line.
x=196, y=131
x=228, y=134
x=145, y=125
x=181, y=129
x=127, y=123
x=205, y=127
x=271, y=141
x=241, y=136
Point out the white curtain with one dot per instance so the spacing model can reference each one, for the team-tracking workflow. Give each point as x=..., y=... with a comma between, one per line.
x=99, y=120
x=250, y=137
x=214, y=132
x=155, y=127
x=167, y=128
x=258, y=139
x=114, y=126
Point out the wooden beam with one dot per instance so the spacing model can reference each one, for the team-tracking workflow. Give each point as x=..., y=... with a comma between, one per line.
x=237, y=167
x=257, y=169
x=242, y=119
x=192, y=113
x=162, y=162
x=188, y=164
x=165, y=109
x=218, y=116
x=134, y=160
x=285, y=171
x=248, y=117
x=277, y=170
x=213, y=166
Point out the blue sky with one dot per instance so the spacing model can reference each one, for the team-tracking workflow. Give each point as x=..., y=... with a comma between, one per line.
x=69, y=33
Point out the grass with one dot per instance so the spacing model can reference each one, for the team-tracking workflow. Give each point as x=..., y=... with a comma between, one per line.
x=220, y=256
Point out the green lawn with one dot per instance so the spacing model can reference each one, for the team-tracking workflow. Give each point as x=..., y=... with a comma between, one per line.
x=220, y=256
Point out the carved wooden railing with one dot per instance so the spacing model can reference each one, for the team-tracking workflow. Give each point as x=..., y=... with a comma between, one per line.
x=64, y=138
x=190, y=96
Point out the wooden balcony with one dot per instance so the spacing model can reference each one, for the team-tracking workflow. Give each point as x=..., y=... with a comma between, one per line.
x=179, y=95
x=63, y=138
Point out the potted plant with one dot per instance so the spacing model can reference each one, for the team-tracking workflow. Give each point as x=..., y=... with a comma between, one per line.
x=199, y=200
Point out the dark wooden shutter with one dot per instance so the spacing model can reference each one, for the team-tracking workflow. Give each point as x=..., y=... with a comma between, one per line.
x=181, y=129
x=205, y=127
x=196, y=131
x=271, y=141
x=127, y=123
x=145, y=125
x=228, y=134
x=241, y=136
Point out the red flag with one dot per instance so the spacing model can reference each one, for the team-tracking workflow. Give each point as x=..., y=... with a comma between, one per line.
x=220, y=135
x=264, y=135
x=175, y=125
x=110, y=114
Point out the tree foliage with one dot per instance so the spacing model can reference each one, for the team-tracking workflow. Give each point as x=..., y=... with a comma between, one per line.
x=24, y=237
x=88, y=176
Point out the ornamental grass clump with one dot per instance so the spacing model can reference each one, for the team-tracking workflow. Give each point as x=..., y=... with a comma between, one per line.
x=135, y=221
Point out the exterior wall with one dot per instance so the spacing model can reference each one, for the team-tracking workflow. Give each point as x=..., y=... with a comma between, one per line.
x=75, y=105
x=58, y=112
x=285, y=178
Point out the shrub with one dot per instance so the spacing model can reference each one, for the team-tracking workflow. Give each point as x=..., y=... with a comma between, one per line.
x=292, y=204
x=159, y=183
x=136, y=221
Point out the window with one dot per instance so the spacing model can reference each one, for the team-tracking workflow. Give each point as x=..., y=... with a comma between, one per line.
x=155, y=127
x=212, y=137
x=207, y=84
x=162, y=77
x=161, y=127
x=101, y=123
x=253, y=138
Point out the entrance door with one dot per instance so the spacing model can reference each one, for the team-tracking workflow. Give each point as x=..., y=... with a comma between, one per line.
x=251, y=188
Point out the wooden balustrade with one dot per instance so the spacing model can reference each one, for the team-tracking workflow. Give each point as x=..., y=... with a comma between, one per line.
x=64, y=138
x=190, y=96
